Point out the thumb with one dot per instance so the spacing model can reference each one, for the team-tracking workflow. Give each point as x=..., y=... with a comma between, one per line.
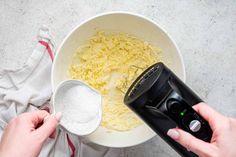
x=48, y=127
x=190, y=142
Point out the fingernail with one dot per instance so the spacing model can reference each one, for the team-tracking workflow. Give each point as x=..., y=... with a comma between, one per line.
x=173, y=134
x=58, y=116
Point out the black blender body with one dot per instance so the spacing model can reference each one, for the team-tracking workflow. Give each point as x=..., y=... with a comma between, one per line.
x=163, y=101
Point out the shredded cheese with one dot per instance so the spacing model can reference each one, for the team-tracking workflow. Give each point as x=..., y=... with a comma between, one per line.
x=110, y=62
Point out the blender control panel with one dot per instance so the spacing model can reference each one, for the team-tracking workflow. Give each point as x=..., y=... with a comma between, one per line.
x=188, y=119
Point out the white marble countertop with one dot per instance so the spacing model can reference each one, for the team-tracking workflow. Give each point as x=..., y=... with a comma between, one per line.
x=204, y=30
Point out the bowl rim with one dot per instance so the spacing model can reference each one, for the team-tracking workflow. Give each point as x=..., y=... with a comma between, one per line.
x=110, y=13
x=115, y=13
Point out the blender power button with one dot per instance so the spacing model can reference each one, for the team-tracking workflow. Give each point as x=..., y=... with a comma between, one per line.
x=174, y=106
x=195, y=125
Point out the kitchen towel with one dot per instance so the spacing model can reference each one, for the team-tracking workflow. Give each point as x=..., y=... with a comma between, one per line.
x=28, y=88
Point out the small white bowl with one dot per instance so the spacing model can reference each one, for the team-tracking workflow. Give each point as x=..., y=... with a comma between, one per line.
x=80, y=129
x=137, y=25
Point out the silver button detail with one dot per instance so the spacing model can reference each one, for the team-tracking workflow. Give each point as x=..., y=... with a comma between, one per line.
x=195, y=125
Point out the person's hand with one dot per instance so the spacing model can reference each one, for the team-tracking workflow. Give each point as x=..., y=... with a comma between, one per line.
x=223, y=142
x=24, y=135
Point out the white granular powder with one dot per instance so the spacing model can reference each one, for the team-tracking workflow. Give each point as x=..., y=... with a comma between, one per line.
x=80, y=106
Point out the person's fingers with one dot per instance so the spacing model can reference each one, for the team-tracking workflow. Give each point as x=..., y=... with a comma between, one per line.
x=53, y=135
x=209, y=114
x=48, y=127
x=190, y=142
x=36, y=117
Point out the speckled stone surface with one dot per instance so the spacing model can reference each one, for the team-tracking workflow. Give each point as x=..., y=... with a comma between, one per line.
x=204, y=30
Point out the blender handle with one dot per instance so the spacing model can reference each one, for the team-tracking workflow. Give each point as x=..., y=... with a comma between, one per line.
x=179, y=108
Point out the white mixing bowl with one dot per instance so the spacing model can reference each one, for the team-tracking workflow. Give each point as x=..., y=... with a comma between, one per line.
x=137, y=25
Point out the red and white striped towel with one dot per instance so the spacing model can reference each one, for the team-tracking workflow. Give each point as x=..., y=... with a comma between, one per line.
x=28, y=88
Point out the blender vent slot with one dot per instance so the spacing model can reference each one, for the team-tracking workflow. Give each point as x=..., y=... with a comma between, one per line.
x=142, y=79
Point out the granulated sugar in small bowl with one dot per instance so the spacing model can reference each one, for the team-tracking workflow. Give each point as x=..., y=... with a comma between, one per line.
x=80, y=105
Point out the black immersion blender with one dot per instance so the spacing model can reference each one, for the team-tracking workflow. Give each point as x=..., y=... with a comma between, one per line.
x=163, y=101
